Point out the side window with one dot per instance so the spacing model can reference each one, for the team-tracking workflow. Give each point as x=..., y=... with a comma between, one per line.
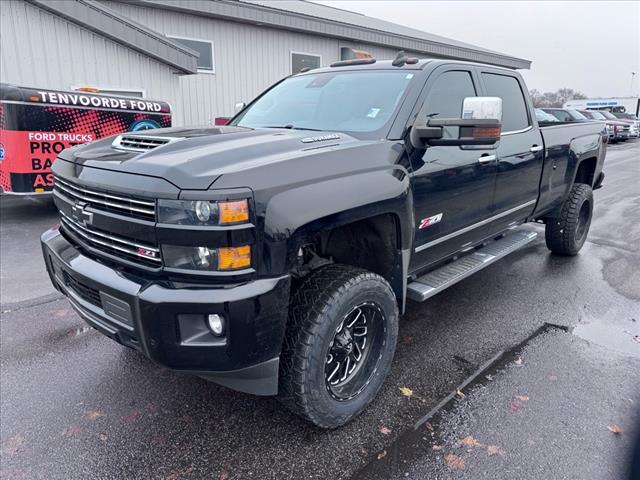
x=514, y=107
x=446, y=96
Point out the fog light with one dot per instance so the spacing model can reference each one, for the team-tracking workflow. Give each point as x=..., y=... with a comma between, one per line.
x=216, y=324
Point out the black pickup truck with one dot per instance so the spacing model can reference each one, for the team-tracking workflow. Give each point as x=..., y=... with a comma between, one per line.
x=275, y=254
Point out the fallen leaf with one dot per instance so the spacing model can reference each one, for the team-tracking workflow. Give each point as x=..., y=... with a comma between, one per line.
x=615, y=429
x=522, y=398
x=177, y=474
x=493, y=450
x=489, y=377
x=93, y=414
x=72, y=431
x=14, y=444
x=436, y=447
x=406, y=340
x=460, y=394
x=454, y=462
x=407, y=392
x=103, y=437
x=518, y=361
x=382, y=454
x=132, y=416
x=469, y=441
x=428, y=426
x=223, y=475
x=516, y=407
x=385, y=430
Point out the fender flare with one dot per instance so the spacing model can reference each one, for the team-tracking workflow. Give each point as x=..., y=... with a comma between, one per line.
x=312, y=208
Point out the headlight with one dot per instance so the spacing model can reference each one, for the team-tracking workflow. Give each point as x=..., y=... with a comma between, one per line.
x=206, y=259
x=203, y=212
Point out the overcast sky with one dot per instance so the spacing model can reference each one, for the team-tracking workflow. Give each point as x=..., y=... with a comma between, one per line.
x=589, y=46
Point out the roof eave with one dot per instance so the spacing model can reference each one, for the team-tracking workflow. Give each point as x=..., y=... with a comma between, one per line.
x=257, y=14
x=93, y=16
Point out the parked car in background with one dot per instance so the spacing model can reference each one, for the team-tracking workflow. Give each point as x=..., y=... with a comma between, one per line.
x=543, y=116
x=566, y=114
x=612, y=126
x=623, y=129
x=569, y=115
x=634, y=130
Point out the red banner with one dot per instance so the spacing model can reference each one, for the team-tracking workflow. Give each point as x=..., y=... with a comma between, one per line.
x=34, y=153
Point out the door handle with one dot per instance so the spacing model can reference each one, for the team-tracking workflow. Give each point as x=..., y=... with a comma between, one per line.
x=536, y=148
x=487, y=158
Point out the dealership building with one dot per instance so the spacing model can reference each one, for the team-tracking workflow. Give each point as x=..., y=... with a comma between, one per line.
x=201, y=56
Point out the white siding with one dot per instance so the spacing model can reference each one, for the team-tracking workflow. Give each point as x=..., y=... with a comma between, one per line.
x=42, y=50
x=248, y=58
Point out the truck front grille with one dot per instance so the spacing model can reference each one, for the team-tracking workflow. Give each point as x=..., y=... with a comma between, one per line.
x=133, y=207
x=117, y=245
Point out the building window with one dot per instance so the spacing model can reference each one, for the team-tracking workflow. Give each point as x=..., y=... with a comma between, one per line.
x=301, y=60
x=118, y=92
x=206, y=62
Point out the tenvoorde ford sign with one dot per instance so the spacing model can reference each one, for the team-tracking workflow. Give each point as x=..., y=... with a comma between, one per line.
x=83, y=100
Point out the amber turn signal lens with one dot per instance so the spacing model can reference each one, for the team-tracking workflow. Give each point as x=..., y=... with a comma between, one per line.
x=486, y=132
x=234, y=258
x=234, y=212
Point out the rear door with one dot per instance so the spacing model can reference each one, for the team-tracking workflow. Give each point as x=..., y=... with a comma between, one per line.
x=452, y=186
x=520, y=151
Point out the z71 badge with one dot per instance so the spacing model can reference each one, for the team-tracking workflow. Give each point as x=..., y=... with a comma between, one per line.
x=427, y=222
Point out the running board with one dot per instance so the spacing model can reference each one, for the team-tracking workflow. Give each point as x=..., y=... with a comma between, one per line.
x=434, y=282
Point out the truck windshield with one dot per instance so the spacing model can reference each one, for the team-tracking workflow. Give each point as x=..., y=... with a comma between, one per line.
x=576, y=115
x=597, y=115
x=348, y=101
x=608, y=115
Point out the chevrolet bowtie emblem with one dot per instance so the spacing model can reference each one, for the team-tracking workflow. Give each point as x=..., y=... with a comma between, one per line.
x=80, y=214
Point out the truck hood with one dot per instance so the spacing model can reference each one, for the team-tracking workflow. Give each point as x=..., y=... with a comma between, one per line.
x=194, y=158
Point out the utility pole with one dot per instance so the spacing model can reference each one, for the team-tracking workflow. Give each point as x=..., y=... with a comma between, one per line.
x=633, y=76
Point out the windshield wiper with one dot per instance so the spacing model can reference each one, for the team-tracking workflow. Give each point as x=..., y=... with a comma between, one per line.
x=291, y=127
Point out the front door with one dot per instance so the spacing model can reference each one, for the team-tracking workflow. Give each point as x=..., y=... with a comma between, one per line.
x=452, y=186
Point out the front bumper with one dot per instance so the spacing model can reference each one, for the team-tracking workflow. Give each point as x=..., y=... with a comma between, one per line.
x=622, y=135
x=166, y=323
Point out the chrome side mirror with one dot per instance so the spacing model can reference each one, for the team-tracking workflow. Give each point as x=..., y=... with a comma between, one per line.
x=482, y=108
x=479, y=124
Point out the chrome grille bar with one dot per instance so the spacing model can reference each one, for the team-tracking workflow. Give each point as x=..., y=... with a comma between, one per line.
x=111, y=241
x=128, y=205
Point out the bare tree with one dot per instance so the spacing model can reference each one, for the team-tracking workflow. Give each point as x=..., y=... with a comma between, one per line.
x=554, y=99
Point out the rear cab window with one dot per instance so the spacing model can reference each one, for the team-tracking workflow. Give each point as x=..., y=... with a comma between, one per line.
x=515, y=115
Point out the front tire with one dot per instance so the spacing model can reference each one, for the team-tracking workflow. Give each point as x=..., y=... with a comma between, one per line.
x=339, y=344
x=566, y=234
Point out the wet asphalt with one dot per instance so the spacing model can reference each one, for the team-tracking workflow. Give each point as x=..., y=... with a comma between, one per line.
x=75, y=405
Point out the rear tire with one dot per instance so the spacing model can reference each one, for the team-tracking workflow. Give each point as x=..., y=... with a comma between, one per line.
x=566, y=234
x=339, y=344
